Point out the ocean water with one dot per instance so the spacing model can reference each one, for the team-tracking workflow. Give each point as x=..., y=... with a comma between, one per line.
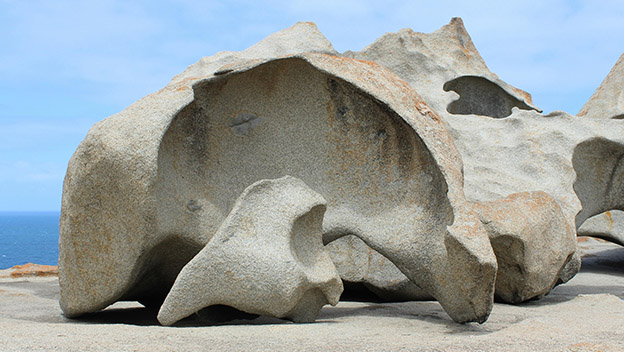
x=28, y=237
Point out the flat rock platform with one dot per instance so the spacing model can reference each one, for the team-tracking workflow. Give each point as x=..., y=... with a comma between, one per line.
x=585, y=314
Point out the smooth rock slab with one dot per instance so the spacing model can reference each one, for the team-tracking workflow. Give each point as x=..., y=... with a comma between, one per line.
x=266, y=258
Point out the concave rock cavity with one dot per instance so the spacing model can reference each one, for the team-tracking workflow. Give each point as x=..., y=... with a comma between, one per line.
x=351, y=130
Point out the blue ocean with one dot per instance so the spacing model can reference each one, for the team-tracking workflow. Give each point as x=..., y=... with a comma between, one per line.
x=28, y=237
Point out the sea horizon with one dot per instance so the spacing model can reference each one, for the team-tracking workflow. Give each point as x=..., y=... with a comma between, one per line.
x=28, y=237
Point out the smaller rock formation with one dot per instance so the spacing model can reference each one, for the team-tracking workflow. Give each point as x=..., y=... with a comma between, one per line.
x=266, y=258
x=608, y=225
x=535, y=245
x=29, y=270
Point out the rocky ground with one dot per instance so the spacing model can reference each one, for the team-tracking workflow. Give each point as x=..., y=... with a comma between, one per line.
x=586, y=314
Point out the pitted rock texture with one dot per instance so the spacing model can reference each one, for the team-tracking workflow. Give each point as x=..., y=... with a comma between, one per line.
x=148, y=187
x=266, y=258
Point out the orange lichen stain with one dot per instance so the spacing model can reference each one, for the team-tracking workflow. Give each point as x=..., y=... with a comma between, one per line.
x=608, y=214
x=186, y=83
x=526, y=95
x=581, y=239
x=587, y=347
x=341, y=59
x=191, y=79
x=31, y=269
x=424, y=109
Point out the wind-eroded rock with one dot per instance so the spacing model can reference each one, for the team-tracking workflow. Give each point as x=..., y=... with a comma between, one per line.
x=603, y=161
x=149, y=187
x=507, y=145
x=535, y=246
x=266, y=258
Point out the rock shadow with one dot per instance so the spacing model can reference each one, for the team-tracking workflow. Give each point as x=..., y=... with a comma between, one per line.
x=480, y=96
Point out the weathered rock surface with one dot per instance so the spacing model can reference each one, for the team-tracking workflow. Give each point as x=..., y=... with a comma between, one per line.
x=266, y=258
x=608, y=225
x=534, y=245
x=607, y=102
x=507, y=146
x=113, y=243
x=358, y=263
x=29, y=270
x=520, y=150
x=148, y=187
x=437, y=63
x=303, y=37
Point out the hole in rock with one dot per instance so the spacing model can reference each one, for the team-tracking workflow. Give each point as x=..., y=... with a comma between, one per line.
x=480, y=96
x=599, y=180
x=161, y=266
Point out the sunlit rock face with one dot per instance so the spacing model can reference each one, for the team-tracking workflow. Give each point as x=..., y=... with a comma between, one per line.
x=266, y=258
x=149, y=187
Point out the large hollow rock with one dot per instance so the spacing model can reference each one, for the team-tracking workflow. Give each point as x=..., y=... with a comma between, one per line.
x=266, y=258
x=149, y=187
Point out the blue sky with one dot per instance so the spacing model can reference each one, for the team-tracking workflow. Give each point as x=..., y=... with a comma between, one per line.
x=65, y=65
